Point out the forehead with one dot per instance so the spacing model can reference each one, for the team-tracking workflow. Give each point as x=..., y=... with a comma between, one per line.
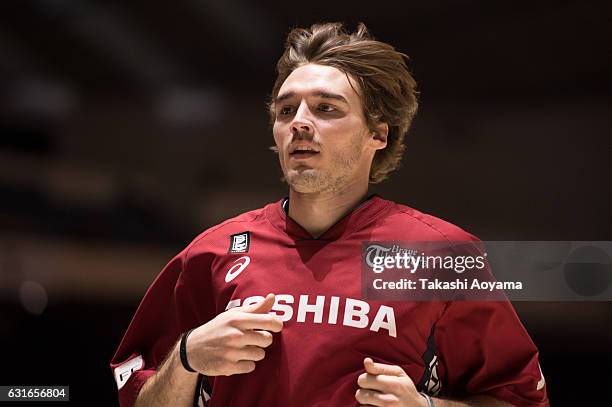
x=312, y=78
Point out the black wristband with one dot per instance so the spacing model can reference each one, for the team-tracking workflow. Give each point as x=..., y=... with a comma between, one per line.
x=430, y=402
x=183, y=352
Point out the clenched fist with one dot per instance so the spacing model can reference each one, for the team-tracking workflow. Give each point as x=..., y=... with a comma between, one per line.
x=387, y=385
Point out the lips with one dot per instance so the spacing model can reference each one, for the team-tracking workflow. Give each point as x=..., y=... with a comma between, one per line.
x=300, y=155
x=302, y=152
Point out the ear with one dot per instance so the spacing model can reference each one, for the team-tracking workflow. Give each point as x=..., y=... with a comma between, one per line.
x=379, y=136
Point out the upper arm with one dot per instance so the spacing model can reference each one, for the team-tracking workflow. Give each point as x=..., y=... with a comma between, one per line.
x=485, y=349
x=177, y=301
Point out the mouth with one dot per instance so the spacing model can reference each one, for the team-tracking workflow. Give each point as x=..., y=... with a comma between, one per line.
x=302, y=153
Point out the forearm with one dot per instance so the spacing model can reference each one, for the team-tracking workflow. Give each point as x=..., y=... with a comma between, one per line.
x=475, y=401
x=172, y=385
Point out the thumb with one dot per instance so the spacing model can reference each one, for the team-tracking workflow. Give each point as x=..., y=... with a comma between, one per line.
x=262, y=307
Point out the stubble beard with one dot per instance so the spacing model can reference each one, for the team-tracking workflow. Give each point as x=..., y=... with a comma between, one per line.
x=333, y=179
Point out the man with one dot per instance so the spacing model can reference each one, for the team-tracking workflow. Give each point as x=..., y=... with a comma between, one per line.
x=266, y=310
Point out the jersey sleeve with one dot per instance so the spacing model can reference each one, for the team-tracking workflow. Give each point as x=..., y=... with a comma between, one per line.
x=484, y=349
x=176, y=302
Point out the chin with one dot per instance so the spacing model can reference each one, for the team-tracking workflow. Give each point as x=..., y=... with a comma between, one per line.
x=305, y=182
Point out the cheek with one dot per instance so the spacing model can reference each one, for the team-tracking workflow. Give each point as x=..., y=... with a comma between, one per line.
x=344, y=136
x=346, y=126
x=277, y=133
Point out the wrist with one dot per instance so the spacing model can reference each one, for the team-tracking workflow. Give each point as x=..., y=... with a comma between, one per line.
x=182, y=350
x=428, y=401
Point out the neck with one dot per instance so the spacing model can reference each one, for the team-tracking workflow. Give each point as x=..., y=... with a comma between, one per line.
x=317, y=212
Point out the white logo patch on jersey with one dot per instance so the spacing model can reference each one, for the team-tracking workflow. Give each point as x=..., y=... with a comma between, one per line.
x=237, y=268
x=239, y=243
x=125, y=370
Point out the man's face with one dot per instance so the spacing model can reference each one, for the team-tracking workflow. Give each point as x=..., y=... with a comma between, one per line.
x=320, y=130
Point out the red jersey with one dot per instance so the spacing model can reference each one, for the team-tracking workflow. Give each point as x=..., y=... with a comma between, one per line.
x=450, y=349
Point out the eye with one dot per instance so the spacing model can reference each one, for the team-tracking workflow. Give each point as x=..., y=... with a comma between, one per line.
x=326, y=108
x=285, y=110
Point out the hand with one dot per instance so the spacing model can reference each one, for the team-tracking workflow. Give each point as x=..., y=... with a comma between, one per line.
x=387, y=385
x=234, y=340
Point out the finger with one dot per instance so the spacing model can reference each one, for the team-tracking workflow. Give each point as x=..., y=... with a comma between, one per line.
x=263, y=339
x=382, y=383
x=249, y=353
x=381, y=368
x=243, y=366
x=262, y=307
x=266, y=322
x=374, y=398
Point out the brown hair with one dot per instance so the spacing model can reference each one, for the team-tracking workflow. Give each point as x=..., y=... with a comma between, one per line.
x=389, y=91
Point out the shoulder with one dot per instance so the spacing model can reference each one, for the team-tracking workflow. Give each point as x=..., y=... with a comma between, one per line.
x=248, y=221
x=424, y=226
x=218, y=239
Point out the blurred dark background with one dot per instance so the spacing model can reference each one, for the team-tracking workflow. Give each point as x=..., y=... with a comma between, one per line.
x=126, y=128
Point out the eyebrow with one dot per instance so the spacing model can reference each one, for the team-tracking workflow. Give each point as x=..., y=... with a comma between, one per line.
x=322, y=94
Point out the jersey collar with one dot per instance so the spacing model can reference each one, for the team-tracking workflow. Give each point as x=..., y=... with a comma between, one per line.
x=359, y=217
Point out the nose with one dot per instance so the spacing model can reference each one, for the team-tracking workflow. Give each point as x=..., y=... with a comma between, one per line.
x=301, y=122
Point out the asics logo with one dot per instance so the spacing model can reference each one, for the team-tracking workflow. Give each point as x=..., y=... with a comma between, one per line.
x=239, y=265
